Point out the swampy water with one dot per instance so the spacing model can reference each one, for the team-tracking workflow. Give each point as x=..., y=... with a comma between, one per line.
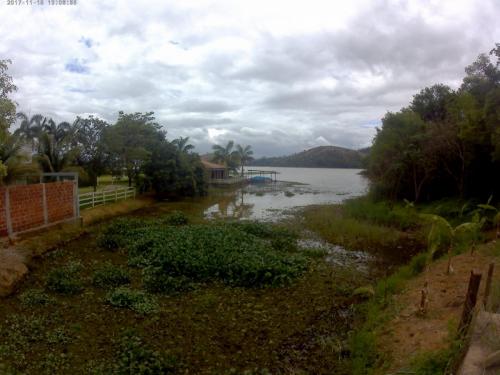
x=296, y=187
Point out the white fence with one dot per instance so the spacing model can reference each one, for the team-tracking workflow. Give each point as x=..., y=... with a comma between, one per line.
x=98, y=198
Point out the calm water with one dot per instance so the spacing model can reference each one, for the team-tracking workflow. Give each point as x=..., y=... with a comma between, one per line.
x=296, y=187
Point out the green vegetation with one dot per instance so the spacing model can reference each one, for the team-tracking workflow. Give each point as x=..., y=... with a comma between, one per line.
x=110, y=276
x=66, y=279
x=236, y=254
x=445, y=143
x=132, y=299
x=135, y=358
x=367, y=225
x=35, y=297
x=318, y=157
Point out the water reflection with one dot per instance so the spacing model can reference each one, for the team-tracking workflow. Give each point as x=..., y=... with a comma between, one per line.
x=297, y=187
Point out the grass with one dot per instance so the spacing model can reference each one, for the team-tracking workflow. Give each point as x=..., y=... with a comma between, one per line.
x=103, y=182
x=361, y=225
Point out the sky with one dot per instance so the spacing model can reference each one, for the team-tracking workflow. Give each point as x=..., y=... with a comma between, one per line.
x=280, y=75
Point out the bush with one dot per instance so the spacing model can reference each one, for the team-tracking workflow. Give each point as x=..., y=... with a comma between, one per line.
x=35, y=297
x=119, y=233
x=418, y=263
x=110, y=276
x=136, y=358
x=176, y=218
x=284, y=244
x=133, y=299
x=65, y=279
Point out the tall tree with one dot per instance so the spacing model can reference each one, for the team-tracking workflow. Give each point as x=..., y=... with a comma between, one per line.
x=130, y=141
x=7, y=106
x=30, y=129
x=226, y=155
x=245, y=155
x=182, y=144
x=56, y=150
x=92, y=155
x=13, y=163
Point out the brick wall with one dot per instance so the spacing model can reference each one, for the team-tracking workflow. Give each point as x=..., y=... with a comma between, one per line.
x=27, y=202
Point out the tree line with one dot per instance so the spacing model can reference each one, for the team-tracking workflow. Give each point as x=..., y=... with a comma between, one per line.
x=445, y=142
x=134, y=146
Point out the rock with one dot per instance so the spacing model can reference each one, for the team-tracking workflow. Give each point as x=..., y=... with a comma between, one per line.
x=12, y=270
x=492, y=360
x=364, y=292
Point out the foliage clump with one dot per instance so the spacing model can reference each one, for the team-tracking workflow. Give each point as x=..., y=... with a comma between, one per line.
x=110, y=276
x=136, y=358
x=66, y=279
x=176, y=218
x=35, y=297
x=174, y=257
x=133, y=299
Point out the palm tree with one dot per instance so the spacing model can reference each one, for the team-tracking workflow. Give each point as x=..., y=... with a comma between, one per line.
x=182, y=144
x=56, y=149
x=244, y=155
x=225, y=155
x=30, y=128
x=12, y=162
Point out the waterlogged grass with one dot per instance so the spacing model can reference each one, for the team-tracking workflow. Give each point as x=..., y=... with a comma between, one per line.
x=392, y=231
x=237, y=254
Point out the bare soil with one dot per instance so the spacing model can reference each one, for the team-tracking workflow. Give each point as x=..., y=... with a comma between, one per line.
x=410, y=333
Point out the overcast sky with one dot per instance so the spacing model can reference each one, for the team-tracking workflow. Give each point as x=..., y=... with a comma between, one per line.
x=282, y=76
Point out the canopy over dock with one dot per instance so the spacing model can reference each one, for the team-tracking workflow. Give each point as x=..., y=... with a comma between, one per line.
x=249, y=173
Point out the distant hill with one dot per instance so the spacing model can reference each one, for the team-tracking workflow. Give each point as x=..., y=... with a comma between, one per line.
x=318, y=157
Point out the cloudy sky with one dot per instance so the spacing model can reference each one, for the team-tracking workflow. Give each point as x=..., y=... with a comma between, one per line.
x=281, y=75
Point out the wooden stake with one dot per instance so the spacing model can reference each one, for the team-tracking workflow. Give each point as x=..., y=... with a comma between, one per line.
x=470, y=301
x=424, y=301
x=488, y=285
x=449, y=269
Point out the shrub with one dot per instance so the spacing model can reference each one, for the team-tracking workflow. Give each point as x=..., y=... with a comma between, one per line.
x=135, y=357
x=418, y=263
x=65, y=279
x=284, y=244
x=35, y=297
x=133, y=299
x=110, y=276
x=119, y=233
x=176, y=218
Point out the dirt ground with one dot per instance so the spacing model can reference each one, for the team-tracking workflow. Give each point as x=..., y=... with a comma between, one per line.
x=411, y=333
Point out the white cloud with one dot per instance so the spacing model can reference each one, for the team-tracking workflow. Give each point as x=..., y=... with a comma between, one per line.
x=281, y=75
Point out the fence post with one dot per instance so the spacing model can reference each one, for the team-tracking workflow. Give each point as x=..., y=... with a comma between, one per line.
x=44, y=204
x=116, y=195
x=488, y=285
x=93, y=199
x=470, y=301
x=8, y=218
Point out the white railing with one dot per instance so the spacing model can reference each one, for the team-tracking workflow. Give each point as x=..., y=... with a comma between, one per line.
x=98, y=198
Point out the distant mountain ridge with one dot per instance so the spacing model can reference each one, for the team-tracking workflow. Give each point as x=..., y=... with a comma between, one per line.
x=317, y=157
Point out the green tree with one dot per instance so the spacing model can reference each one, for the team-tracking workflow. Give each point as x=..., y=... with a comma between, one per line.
x=7, y=106
x=182, y=144
x=92, y=155
x=175, y=173
x=30, y=128
x=13, y=163
x=129, y=142
x=244, y=155
x=431, y=102
x=56, y=150
x=226, y=155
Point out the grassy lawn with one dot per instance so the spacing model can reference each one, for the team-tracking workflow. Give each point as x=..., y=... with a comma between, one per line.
x=104, y=181
x=99, y=304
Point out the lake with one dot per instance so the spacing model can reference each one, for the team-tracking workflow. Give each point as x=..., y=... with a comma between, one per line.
x=296, y=187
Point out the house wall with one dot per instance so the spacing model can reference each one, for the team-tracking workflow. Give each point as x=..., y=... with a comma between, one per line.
x=34, y=206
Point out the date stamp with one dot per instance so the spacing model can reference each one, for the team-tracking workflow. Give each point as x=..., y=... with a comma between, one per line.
x=40, y=2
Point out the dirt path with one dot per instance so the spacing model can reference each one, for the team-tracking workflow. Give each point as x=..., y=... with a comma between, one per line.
x=410, y=333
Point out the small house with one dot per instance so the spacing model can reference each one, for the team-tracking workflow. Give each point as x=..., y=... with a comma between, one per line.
x=215, y=171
